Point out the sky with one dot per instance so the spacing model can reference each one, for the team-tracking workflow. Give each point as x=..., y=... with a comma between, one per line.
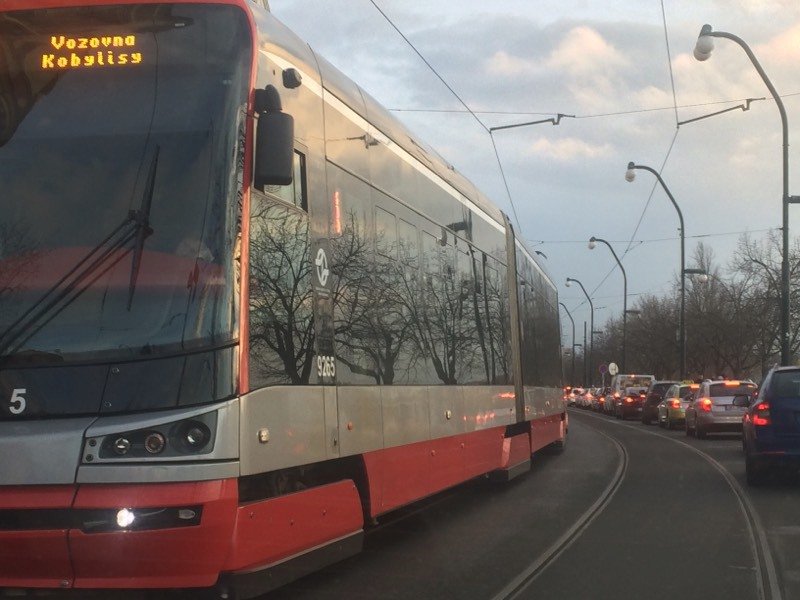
x=620, y=68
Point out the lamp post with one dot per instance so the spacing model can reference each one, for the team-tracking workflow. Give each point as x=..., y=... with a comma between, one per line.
x=702, y=51
x=591, y=326
x=592, y=243
x=562, y=305
x=630, y=175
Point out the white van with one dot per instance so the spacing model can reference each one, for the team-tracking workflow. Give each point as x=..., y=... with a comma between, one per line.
x=626, y=384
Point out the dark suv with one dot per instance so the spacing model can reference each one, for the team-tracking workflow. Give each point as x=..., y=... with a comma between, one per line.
x=771, y=434
x=655, y=394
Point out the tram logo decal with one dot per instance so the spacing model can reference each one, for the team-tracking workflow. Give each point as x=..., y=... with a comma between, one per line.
x=322, y=267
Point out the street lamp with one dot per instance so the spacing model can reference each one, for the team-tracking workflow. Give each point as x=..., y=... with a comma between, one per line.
x=702, y=51
x=592, y=244
x=702, y=275
x=562, y=305
x=591, y=325
x=630, y=175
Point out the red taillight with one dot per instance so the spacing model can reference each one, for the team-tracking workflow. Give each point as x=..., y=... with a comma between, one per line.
x=602, y=400
x=705, y=404
x=761, y=414
x=675, y=403
x=628, y=400
x=616, y=394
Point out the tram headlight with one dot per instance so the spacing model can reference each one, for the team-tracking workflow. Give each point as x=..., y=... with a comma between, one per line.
x=122, y=445
x=125, y=518
x=155, y=442
x=194, y=436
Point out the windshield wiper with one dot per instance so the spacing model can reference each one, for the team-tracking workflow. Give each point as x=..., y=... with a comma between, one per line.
x=143, y=229
x=96, y=263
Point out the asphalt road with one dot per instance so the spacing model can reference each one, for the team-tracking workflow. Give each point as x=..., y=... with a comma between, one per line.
x=628, y=511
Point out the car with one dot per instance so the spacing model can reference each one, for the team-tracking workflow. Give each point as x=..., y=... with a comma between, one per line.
x=713, y=409
x=771, y=426
x=627, y=393
x=569, y=397
x=599, y=400
x=574, y=396
x=586, y=399
x=671, y=411
x=655, y=394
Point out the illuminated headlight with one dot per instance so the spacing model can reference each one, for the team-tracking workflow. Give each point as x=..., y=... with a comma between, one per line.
x=125, y=518
x=137, y=519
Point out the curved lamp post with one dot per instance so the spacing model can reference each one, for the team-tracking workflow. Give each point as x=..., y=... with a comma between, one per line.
x=591, y=322
x=572, y=380
x=630, y=175
x=702, y=51
x=592, y=243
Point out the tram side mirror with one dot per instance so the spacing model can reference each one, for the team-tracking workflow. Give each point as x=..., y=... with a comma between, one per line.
x=274, y=152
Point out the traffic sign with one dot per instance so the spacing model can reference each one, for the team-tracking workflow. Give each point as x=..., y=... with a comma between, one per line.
x=613, y=369
x=603, y=368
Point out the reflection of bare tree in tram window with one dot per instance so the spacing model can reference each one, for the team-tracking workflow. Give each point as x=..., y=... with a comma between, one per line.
x=443, y=330
x=373, y=331
x=350, y=266
x=281, y=315
x=498, y=318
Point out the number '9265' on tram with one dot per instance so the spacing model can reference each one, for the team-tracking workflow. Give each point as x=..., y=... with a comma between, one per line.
x=243, y=311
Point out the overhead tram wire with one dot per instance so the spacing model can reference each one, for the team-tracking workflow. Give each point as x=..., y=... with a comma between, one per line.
x=463, y=103
x=658, y=240
x=620, y=113
x=669, y=62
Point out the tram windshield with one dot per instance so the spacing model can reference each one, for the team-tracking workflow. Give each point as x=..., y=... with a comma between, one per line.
x=121, y=140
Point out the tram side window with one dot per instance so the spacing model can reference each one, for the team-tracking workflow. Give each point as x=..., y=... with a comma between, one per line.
x=408, y=248
x=385, y=235
x=294, y=193
x=281, y=317
x=495, y=307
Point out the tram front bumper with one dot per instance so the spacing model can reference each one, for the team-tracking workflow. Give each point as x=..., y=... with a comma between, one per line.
x=116, y=536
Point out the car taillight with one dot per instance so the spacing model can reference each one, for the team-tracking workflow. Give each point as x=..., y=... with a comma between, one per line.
x=602, y=399
x=761, y=414
x=628, y=400
x=616, y=394
x=675, y=403
x=705, y=404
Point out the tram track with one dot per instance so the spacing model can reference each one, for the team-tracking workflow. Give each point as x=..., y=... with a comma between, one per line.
x=520, y=583
x=767, y=582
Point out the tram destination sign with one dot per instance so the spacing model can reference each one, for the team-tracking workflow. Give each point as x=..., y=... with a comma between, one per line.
x=65, y=53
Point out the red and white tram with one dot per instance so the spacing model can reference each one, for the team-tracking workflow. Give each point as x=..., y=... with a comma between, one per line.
x=243, y=311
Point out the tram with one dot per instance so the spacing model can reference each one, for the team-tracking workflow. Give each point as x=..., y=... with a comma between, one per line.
x=243, y=311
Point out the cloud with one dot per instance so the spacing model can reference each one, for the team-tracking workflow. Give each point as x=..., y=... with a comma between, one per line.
x=584, y=52
x=508, y=65
x=784, y=48
x=568, y=149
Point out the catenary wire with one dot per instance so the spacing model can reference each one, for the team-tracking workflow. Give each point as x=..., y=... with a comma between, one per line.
x=463, y=103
